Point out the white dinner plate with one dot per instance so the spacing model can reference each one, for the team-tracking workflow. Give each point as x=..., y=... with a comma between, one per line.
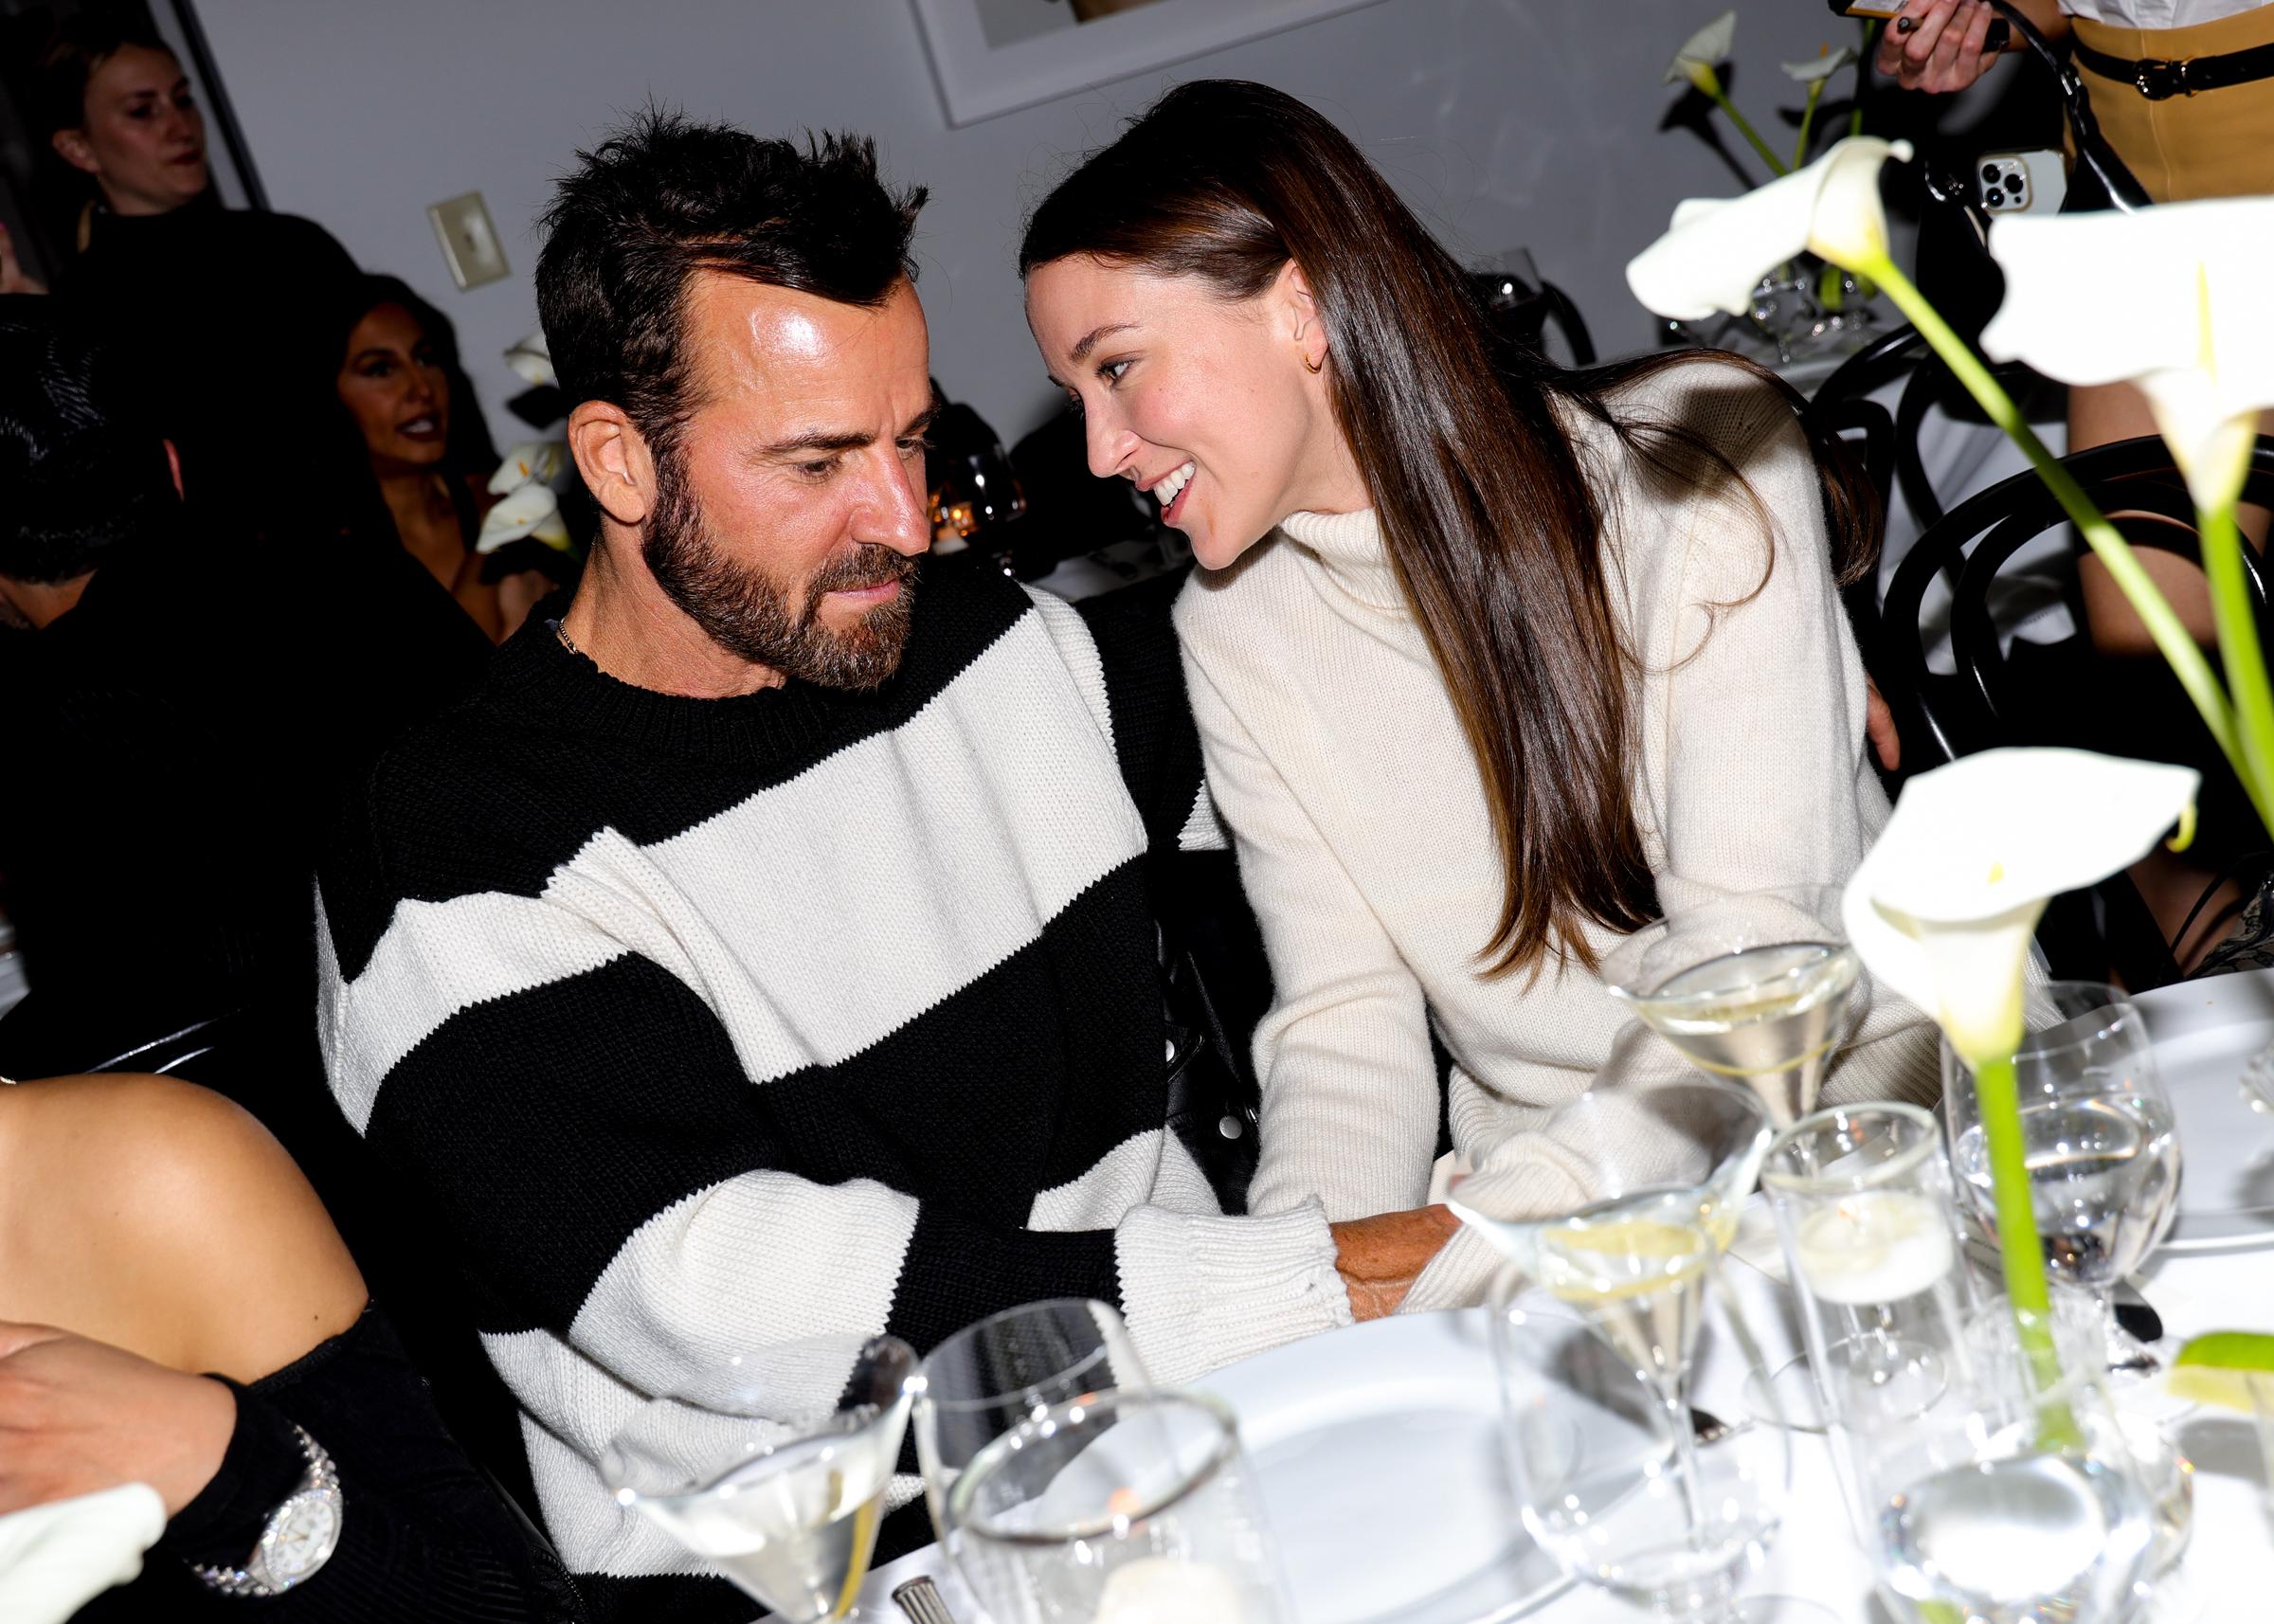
x=1377, y=1454
x=2204, y=1032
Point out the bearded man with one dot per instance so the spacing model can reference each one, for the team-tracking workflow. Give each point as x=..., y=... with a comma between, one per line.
x=763, y=958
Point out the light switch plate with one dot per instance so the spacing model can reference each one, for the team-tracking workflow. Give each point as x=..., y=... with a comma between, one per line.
x=469, y=239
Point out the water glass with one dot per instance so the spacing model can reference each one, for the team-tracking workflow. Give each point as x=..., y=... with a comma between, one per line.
x=786, y=1507
x=2101, y=1146
x=1128, y=1508
x=1009, y=1368
x=2011, y=1499
x=1867, y=1217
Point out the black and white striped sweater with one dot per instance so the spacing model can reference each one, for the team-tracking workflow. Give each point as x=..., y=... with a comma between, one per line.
x=709, y=1028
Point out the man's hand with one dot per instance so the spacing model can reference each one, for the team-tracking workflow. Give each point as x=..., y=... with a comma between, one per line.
x=1942, y=50
x=14, y=277
x=1379, y=1257
x=77, y=1415
x=1879, y=726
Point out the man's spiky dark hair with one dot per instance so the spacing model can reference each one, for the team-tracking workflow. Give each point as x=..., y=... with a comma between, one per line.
x=665, y=197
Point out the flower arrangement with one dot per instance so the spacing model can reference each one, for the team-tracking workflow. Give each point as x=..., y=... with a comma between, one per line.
x=1944, y=905
x=1699, y=63
x=530, y=506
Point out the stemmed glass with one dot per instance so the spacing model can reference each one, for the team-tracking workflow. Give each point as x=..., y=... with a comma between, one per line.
x=1012, y=1367
x=786, y=1509
x=1601, y=1444
x=1759, y=985
x=2101, y=1146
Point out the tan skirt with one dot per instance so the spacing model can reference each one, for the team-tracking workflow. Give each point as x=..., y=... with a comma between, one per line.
x=2217, y=143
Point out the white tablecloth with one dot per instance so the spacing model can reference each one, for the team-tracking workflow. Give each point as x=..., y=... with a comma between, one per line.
x=2226, y=1577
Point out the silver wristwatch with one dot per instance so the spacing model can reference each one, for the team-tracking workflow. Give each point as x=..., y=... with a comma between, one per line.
x=300, y=1537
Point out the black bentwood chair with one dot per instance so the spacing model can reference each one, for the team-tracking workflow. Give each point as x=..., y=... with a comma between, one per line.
x=2065, y=694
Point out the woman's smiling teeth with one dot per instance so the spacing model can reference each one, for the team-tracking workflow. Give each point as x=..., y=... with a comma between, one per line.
x=1171, y=486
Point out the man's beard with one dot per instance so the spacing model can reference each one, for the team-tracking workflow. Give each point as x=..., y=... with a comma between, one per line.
x=751, y=617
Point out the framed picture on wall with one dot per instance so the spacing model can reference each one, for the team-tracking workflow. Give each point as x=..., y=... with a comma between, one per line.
x=995, y=56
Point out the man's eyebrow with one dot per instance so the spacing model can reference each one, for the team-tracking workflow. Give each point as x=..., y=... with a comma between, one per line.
x=1081, y=350
x=828, y=442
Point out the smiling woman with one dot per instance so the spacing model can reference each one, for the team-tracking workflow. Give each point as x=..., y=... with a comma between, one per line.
x=413, y=433
x=1495, y=663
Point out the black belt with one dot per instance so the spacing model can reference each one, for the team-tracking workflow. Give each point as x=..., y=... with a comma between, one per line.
x=2159, y=79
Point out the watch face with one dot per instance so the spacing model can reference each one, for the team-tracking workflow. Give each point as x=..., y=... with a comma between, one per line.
x=300, y=1536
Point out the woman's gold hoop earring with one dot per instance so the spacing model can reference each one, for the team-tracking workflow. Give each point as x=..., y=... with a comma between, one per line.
x=1314, y=368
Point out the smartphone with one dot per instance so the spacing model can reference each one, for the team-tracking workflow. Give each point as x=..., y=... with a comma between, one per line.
x=2020, y=183
x=1999, y=37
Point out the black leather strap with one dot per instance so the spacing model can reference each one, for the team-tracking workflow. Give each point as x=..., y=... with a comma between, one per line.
x=2159, y=79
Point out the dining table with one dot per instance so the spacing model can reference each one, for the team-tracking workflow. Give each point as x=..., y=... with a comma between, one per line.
x=2215, y=1271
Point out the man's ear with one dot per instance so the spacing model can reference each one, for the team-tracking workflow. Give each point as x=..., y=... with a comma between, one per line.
x=72, y=147
x=614, y=460
x=173, y=464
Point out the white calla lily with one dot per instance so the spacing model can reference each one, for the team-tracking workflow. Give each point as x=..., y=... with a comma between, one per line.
x=1718, y=248
x=532, y=361
x=2196, y=332
x=539, y=460
x=1944, y=906
x=533, y=510
x=1816, y=69
x=1702, y=52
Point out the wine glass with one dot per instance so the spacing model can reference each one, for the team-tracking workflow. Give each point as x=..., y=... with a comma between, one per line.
x=2099, y=1141
x=1125, y=1507
x=992, y=1376
x=1613, y=1482
x=786, y=1509
x=1759, y=985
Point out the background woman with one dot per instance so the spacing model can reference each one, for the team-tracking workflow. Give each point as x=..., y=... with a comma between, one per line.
x=222, y=312
x=150, y=1232
x=398, y=379
x=1533, y=657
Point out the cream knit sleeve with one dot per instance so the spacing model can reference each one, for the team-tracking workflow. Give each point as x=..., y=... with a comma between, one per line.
x=1349, y=1107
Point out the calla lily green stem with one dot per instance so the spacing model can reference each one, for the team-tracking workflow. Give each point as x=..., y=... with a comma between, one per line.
x=2018, y=1247
x=2172, y=639
x=2238, y=643
x=1744, y=128
x=1808, y=120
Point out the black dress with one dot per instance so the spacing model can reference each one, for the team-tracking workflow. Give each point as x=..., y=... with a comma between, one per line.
x=423, y=1535
x=227, y=322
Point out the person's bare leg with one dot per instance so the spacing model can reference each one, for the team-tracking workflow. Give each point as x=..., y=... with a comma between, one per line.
x=2170, y=883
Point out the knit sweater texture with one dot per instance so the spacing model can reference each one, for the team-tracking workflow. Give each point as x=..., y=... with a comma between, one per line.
x=759, y=1026
x=1358, y=812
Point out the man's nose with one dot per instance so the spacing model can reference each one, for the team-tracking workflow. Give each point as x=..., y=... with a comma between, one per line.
x=901, y=510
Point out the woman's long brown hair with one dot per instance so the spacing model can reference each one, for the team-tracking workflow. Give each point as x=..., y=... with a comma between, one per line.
x=1488, y=520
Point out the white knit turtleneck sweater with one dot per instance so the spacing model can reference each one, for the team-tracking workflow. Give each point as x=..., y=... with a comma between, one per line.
x=1338, y=762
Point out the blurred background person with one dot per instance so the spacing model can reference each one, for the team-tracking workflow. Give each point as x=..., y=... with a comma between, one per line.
x=137, y=1210
x=425, y=457
x=220, y=315
x=182, y=706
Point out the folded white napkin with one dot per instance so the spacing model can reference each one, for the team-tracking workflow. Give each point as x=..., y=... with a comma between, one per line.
x=55, y=1558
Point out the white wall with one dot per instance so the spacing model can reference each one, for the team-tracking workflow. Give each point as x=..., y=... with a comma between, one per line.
x=1504, y=122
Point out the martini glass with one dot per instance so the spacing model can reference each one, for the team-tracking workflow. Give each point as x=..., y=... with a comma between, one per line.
x=1756, y=985
x=786, y=1507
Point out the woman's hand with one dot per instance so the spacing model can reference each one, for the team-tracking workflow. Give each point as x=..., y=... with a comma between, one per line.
x=1381, y=1258
x=77, y=1415
x=1944, y=48
x=14, y=277
x=518, y=594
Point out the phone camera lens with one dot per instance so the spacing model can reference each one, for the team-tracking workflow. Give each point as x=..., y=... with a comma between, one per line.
x=1995, y=198
x=1990, y=174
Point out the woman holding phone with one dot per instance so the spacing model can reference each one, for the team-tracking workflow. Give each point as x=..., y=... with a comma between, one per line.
x=1494, y=664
